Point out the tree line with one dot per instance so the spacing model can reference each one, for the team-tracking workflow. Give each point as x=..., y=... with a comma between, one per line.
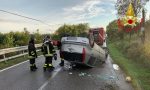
x=14, y=39
x=79, y=30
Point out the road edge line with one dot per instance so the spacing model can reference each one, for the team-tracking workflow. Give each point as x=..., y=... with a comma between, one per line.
x=15, y=65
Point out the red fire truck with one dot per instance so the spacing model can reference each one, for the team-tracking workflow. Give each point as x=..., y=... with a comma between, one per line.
x=99, y=35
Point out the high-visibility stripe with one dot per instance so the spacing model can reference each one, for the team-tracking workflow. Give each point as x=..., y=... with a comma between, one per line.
x=48, y=49
x=45, y=65
x=32, y=53
x=31, y=57
x=49, y=64
x=48, y=55
x=32, y=64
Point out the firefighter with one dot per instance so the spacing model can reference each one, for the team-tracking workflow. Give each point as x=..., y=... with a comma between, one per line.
x=48, y=51
x=32, y=54
x=59, y=48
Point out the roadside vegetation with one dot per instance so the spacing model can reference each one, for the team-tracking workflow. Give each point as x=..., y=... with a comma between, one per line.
x=131, y=53
x=14, y=39
x=72, y=30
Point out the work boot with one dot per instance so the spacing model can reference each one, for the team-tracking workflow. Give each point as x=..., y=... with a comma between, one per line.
x=44, y=69
x=35, y=67
x=62, y=63
x=32, y=68
x=51, y=68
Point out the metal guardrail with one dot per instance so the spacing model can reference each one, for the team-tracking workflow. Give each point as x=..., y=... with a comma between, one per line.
x=3, y=52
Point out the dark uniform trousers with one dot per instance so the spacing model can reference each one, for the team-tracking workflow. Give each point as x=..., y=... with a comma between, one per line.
x=48, y=61
x=32, y=56
x=32, y=61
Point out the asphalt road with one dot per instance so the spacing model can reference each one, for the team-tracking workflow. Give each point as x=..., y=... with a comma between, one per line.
x=102, y=77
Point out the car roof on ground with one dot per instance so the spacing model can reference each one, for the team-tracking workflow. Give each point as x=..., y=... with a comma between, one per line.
x=75, y=39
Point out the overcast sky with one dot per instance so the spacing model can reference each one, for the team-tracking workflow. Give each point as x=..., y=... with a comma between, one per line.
x=55, y=12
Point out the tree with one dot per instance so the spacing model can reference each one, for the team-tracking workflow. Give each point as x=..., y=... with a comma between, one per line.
x=73, y=30
x=138, y=6
x=1, y=38
x=8, y=40
x=14, y=39
x=38, y=37
x=122, y=5
x=21, y=38
x=112, y=31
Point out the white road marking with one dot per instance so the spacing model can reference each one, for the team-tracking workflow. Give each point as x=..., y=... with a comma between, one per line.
x=46, y=83
x=15, y=65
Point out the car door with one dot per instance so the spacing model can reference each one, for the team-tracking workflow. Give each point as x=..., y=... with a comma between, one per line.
x=92, y=58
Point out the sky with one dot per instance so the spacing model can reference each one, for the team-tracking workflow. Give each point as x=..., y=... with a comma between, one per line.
x=98, y=13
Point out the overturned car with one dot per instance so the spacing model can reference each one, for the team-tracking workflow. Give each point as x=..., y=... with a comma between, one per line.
x=80, y=50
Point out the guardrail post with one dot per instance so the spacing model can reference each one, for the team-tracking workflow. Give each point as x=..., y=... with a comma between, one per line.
x=23, y=53
x=4, y=58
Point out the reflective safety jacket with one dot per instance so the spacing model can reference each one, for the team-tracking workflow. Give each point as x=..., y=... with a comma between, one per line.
x=32, y=51
x=48, y=49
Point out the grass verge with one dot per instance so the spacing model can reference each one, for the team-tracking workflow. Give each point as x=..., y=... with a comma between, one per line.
x=139, y=73
x=15, y=61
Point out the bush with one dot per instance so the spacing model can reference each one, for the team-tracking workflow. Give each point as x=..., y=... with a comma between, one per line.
x=136, y=51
